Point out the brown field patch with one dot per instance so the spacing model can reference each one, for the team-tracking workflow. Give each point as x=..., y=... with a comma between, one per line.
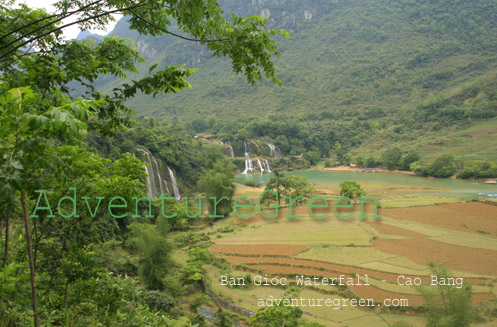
x=476, y=209
x=364, y=291
x=302, y=210
x=393, y=230
x=262, y=249
x=414, y=300
x=321, y=268
x=317, y=267
x=422, y=251
x=468, y=217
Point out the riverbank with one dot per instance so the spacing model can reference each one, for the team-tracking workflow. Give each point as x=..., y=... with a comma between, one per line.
x=364, y=170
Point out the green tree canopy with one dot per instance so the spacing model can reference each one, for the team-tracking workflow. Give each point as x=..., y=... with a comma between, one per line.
x=351, y=190
x=391, y=158
x=448, y=305
x=218, y=186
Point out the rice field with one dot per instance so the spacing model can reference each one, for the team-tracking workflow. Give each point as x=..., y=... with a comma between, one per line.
x=416, y=227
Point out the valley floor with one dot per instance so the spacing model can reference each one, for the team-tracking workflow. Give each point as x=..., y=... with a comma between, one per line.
x=390, y=251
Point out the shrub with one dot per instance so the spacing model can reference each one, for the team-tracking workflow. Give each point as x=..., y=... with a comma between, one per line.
x=158, y=301
x=251, y=183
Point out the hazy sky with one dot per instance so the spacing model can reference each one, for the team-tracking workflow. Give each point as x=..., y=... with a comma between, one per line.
x=72, y=31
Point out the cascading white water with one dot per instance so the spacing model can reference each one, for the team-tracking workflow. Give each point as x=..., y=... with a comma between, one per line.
x=248, y=167
x=247, y=147
x=260, y=166
x=156, y=185
x=159, y=178
x=275, y=152
x=266, y=165
x=175, y=185
x=230, y=153
x=150, y=181
x=262, y=163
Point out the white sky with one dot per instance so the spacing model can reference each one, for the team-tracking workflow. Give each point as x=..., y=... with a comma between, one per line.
x=72, y=31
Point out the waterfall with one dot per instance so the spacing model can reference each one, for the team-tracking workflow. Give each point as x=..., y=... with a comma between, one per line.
x=159, y=177
x=149, y=180
x=247, y=148
x=266, y=165
x=262, y=163
x=260, y=166
x=154, y=180
x=275, y=152
x=248, y=167
x=230, y=153
x=156, y=184
x=175, y=185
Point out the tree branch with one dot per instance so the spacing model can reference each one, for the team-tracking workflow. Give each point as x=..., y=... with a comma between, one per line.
x=43, y=26
x=174, y=34
x=6, y=246
x=67, y=25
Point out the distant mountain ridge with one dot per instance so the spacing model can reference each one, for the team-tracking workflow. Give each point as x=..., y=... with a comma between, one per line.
x=343, y=55
x=347, y=64
x=88, y=35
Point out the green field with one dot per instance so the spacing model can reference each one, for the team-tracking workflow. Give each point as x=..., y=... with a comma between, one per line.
x=335, y=247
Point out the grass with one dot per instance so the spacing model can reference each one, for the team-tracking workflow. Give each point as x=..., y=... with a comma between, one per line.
x=328, y=239
x=474, y=142
x=469, y=239
x=353, y=256
x=305, y=231
x=418, y=201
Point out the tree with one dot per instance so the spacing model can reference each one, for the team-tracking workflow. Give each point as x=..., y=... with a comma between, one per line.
x=351, y=190
x=448, y=305
x=360, y=160
x=246, y=41
x=372, y=162
x=27, y=126
x=276, y=184
x=418, y=168
x=278, y=316
x=346, y=159
x=391, y=158
x=479, y=169
x=199, y=125
x=218, y=186
x=281, y=142
x=197, y=257
x=312, y=156
x=298, y=186
x=443, y=166
x=38, y=112
x=407, y=159
x=154, y=250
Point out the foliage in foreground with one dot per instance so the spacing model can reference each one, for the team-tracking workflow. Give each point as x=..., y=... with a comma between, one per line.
x=448, y=305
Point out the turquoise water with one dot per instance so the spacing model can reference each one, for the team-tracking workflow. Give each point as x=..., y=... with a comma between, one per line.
x=435, y=186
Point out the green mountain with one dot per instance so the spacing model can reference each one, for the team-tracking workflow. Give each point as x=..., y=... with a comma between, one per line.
x=409, y=73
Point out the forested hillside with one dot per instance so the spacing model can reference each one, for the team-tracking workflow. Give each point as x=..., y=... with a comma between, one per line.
x=343, y=57
x=122, y=162
x=375, y=73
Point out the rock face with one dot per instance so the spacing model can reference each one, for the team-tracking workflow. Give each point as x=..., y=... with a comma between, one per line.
x=283, y=13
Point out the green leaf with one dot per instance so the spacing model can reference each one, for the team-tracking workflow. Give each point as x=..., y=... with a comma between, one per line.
x=152, y=68
x=284, y=33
